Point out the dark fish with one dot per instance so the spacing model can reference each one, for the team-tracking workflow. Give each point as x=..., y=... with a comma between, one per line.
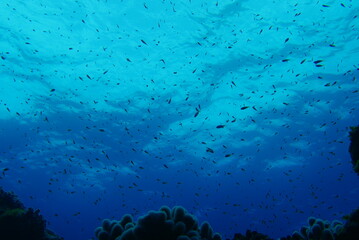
x=197, y=110
x=210, y=150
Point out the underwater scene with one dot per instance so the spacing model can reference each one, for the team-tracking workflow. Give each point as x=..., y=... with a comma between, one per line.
x=181, y=120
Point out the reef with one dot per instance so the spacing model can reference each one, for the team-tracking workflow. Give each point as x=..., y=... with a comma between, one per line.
x=178, y=224
x=251, y=235
x=318, y=229
x=19, y=223
x=351, y=227
x=354, y=147
x=165, y=224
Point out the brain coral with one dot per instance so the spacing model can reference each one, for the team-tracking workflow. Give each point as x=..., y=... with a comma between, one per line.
x=165, y=224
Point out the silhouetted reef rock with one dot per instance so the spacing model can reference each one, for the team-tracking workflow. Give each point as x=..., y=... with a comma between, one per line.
x=251, y=235
x=351, y=227
x=354, y=147
x=19, y=223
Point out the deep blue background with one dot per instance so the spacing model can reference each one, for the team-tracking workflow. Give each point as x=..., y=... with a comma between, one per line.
x=98, y=103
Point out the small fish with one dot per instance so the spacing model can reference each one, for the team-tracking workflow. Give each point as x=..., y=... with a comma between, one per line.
x=210, y=150
x=197, y=110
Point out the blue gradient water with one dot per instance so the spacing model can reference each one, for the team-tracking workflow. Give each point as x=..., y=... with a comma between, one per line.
x=114, y=107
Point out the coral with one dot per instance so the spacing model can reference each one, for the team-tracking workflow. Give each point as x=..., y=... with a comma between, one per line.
x=350, y=231
x=317, y=229
x=165, y=224
x=22, y=224
x=177, y=224
x=8, y=200
x=251, y=235
x=17, y=222
x=354, y=147
x=324, y=230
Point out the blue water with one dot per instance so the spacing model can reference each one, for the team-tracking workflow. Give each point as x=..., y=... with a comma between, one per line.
x=113, y=107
